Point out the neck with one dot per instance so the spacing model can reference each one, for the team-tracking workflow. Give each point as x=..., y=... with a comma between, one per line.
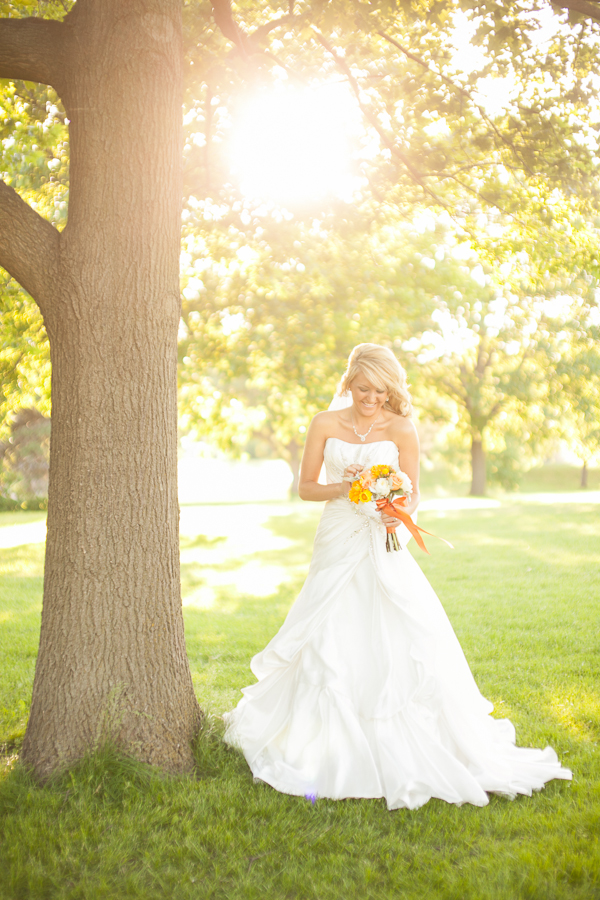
x=363, y=422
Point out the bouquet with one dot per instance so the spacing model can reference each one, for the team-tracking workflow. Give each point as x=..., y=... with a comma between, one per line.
x=391, y=492
x=384, y=485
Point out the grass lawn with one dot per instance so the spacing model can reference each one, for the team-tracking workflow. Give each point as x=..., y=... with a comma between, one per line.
x=521, y=589
x=438, y=482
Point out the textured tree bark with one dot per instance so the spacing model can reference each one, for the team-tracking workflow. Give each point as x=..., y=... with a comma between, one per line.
x=29, y=246
x=477, y=468
x=33, y=49
x=112, y=661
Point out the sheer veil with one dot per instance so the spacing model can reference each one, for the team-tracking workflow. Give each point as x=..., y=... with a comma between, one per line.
x=341, y=401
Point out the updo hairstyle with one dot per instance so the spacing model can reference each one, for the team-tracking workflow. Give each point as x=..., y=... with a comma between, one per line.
x=380, y=368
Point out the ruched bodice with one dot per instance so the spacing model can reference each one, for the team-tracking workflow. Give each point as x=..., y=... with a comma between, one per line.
x=339, y=454
x=365, y=691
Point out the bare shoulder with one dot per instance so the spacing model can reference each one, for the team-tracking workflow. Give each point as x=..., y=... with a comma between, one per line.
x=403, y=431
x=324, y=422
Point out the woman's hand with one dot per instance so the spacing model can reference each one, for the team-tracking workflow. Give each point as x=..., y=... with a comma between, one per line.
x=350, y=473
x=390, y=521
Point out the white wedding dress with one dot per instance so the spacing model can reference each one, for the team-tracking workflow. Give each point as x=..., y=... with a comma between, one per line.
x=365, y=691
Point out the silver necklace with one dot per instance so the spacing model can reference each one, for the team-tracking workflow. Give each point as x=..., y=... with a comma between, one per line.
x=364, y=436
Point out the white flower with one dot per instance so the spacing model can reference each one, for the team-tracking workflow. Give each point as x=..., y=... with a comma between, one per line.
x=381, y=486
x=405, y=482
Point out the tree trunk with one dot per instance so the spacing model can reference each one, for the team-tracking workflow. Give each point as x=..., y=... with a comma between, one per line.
x=112, y=661
x=477, y=468
x=584, y=475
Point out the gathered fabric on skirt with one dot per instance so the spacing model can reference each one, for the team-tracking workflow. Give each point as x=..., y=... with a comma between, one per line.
x=365, y=690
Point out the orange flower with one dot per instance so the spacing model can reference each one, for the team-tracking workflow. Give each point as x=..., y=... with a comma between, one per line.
x=396, y=483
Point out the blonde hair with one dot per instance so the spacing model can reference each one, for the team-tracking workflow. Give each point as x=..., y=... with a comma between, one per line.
x=381, y=369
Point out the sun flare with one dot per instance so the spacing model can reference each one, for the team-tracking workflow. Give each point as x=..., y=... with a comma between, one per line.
x=294, y=145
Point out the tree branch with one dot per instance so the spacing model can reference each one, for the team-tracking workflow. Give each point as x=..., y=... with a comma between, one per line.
x=227, y=25
x=459, y=393
x=32, y=50
x=584, y=7
x=28, y=245
x=488, y=200
x=263, y=30
x=372, y=119
x=295, y=75
x=495, y=409
x=463, y=93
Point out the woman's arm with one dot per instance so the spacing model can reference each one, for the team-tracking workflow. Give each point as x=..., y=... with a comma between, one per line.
x=312, y=460
x=407, y=441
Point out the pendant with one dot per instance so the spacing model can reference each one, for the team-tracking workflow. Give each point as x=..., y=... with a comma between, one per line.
x=363, y=437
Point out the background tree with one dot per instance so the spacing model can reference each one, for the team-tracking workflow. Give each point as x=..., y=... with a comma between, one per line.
x=437, y=141
x=578, y=394
x=269, y=323
x=480, y=321
x=495, y=341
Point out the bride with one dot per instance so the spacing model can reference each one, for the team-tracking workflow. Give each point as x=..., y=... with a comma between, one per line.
x=365, y=691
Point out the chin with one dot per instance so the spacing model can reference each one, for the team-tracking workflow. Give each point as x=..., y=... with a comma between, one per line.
x=370, y=410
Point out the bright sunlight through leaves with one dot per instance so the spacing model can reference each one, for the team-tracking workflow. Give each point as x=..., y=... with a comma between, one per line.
x=294, y=146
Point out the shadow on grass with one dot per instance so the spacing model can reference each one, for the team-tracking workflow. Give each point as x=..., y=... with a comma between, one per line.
x=527, y=617
x=108, y=776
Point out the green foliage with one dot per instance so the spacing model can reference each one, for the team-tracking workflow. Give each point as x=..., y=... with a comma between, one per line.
x=519, y=184
x=520, y=591
x=268, y=330
x=420, y=107
x=25, y=372
x=578, y=394
x=34, y=160
x=274, y=299
x=498, y=338
x=34, y=147
x=48, y=9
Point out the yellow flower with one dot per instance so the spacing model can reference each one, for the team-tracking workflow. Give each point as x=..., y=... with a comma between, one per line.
x=355, y=492
x=379, y=471
x=358, y=494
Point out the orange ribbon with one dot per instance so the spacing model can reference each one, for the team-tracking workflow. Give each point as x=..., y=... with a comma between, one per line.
x=393, y=509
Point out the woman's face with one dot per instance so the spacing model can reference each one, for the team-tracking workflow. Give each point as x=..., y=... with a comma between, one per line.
x=368, y=400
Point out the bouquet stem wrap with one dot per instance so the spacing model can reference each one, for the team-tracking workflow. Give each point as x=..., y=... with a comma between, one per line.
x=394, y=509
